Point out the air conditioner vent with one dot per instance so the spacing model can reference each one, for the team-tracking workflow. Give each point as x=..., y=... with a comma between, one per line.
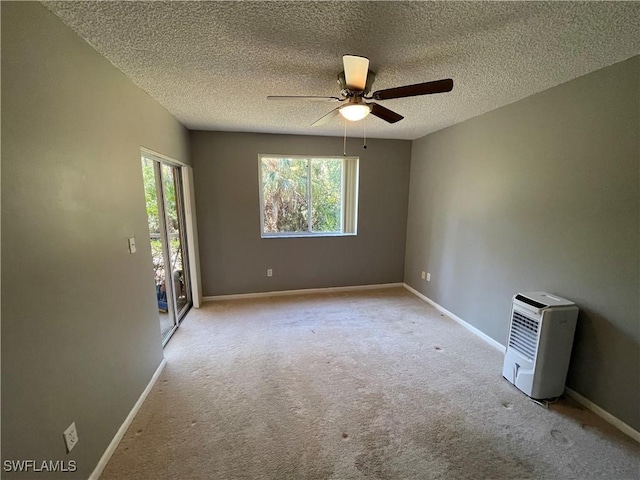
x=524, y=335
x=530, y=301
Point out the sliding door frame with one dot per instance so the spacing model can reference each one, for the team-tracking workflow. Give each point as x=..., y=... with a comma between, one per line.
x=189, y=220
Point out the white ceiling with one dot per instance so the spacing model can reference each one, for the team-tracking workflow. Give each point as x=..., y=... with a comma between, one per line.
x=212, y=64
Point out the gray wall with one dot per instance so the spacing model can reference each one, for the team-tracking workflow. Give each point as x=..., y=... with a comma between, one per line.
x=234, y=258
x=80, y=333
x=542, y=194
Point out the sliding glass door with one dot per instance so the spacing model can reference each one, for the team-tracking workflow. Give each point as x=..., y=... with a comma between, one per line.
x=164, y=195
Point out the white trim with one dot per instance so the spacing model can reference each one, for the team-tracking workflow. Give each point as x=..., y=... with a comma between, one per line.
x=304, y=291
x=602, y=413
x=160, y=156
x=106, y=456
x=261, y=195
x=616, y=422
x=457, y=319
x=307, y=234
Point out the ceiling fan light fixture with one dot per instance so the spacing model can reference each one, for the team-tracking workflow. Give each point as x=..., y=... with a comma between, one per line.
x=355, y=112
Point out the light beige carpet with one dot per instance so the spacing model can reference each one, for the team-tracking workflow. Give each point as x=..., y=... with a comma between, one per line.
x=365, y=385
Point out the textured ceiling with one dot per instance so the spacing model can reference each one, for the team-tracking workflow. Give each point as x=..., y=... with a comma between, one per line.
x=212, y=64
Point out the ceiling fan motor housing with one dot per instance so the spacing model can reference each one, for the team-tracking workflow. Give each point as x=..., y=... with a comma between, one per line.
x=346, y=92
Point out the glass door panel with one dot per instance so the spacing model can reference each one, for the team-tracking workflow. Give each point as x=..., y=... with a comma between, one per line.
x=155, y=216
x=172, y=190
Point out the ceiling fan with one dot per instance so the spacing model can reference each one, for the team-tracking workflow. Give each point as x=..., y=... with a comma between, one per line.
x=355, y=84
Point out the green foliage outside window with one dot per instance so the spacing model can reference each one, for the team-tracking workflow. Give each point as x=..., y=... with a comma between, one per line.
x=296, y=190
x=151, y=197
x=326, y=194
x=149, y=179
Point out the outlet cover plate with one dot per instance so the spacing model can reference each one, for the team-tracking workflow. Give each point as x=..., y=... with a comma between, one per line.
x=70, y=437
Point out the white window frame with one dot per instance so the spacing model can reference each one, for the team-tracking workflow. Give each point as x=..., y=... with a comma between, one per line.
x=349, y=200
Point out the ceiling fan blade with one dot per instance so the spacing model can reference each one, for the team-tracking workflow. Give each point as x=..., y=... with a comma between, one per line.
x=427, y=88
x=326, y=118
x=355, y=71
x=304, y=97
x=384, y=113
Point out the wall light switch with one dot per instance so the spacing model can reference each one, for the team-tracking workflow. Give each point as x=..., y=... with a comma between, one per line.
x=428, y=277
x=132, y=245
x=422, y=275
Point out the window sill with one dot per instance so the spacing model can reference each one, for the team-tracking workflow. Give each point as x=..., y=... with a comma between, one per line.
x=307, y=235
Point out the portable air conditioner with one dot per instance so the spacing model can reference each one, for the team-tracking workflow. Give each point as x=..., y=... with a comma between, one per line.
x=539, y=344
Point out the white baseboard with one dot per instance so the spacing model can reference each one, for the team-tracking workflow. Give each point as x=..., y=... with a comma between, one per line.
x=457, y=319
x=106, y=456
x=602, y=413
x=304, y=291
x=616, y=422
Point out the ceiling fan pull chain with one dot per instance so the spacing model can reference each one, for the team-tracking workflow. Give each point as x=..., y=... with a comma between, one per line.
x=364, y=135
x=344, y=145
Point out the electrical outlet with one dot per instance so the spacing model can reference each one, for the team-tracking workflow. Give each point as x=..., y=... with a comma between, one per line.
x=428, y=277
x=422, y=275
x=70, y=437
x=269, y=272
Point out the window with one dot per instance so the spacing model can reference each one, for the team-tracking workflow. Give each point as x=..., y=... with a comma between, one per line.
x=308, y=196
